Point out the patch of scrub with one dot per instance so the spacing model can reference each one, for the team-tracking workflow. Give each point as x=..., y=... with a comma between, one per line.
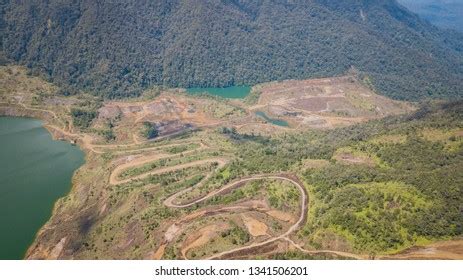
x=277, y=122
x=235, y=92
x=351, y=155
x=374, y=217
x=452, y=139
x=315, y=163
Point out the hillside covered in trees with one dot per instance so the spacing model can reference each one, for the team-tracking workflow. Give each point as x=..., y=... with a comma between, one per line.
x=118, y=48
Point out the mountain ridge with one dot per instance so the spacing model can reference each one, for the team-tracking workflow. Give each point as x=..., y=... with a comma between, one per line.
x=443, y=13
x=118, y=49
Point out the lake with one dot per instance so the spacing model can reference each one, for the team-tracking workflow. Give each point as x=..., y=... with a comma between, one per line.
x=234, y=92
x=35, y=171
x=272, y=121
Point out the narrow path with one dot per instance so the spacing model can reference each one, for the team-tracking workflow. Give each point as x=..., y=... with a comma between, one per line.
x=20, y=102
x=114, y=180
x=169, y=202
x=292, y=229
x=339, y=253
x=285, y=236
x=114, y=176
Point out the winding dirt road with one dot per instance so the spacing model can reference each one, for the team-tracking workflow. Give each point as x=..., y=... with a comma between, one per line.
x=114, y=176
x=170, y=201
x=300, y=222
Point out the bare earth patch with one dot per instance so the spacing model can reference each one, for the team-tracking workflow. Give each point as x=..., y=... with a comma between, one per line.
x=159, y=252
x=202, y=237
x=325, y=103
x=255, y=227
x=280, y=215
x=443, y=250
x=348, y=158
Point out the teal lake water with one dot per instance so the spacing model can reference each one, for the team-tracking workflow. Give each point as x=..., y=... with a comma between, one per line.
x=272, y=121
x=227, y=92
x=35, y=171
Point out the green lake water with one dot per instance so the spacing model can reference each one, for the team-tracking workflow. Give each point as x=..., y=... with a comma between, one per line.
x=234, y=92
x=35, y=171
x=272, y=121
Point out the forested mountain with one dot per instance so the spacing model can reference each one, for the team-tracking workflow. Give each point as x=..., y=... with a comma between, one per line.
x=117, y=48
x=443, y=13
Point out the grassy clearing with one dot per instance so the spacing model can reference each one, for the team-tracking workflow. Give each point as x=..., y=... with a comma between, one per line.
x=232, y=236
x=452, y=139
x=360, y=154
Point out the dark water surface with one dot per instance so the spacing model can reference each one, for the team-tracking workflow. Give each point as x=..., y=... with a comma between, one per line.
x=272, y=121
x=227, y=92
x=35, y=171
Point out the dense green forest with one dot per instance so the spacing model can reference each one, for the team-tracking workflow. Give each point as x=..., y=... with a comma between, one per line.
x=414, y=191
x=118, y=48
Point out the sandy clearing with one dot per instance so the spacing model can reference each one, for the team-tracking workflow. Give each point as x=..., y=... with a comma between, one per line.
x=255, y=227
x=159, y=252
x=56, y=252
x=442, y=250
x=202, y=237
x=348, y=158
x=280, y=215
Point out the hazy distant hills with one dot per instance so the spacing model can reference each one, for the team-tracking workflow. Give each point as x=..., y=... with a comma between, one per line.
x=443, y=13
x=117, y=48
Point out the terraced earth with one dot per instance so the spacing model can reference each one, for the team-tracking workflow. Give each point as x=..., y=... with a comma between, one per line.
x=218, y=182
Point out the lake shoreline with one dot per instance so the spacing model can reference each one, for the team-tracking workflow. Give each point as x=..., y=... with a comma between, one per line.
x=13, y=110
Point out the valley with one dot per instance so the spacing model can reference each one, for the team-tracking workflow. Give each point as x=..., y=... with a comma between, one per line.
x=173, y=175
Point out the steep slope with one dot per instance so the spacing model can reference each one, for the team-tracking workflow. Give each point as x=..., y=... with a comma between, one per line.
x=118, y=48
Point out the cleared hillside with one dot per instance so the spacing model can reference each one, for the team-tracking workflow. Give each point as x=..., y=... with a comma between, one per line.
x=219, y=191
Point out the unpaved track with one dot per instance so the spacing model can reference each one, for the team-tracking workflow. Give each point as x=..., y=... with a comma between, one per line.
x=300, y=222
x=87, y=139
x=285, y=236
x=20, y=102
x=114, y=180
x=169, y=202
x=114, y=177
x=339, y=253
x=289, y=178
